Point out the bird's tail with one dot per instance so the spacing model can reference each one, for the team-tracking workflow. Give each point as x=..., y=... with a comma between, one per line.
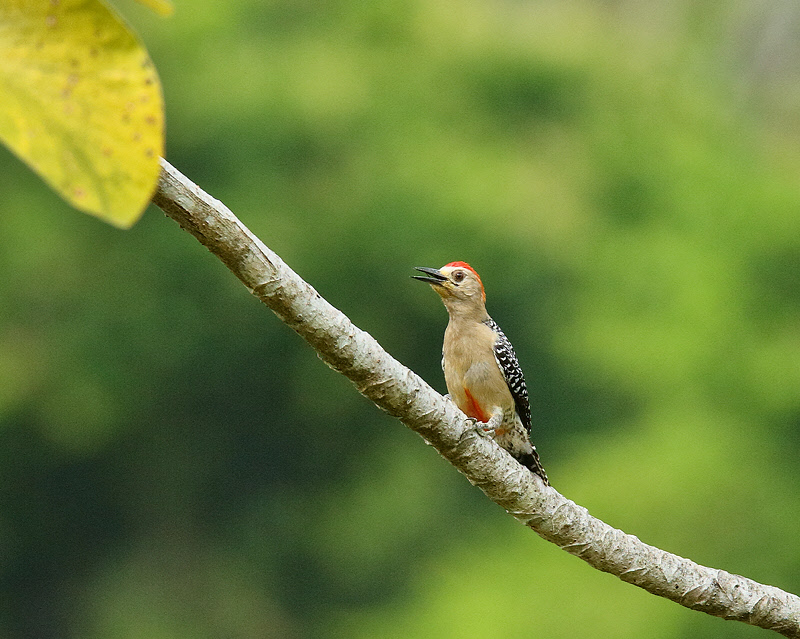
x=531, y=461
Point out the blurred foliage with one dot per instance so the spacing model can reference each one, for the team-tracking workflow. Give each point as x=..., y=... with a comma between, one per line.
x=161, y=7
x=176, y=463
x=81, y=104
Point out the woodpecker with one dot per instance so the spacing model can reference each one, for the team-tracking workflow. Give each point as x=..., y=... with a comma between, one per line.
x=481, y=370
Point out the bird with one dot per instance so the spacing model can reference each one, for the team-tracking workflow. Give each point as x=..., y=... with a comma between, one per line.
x=481, y=369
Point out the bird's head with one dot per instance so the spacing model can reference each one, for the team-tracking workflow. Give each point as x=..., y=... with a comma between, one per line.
x=458, y=284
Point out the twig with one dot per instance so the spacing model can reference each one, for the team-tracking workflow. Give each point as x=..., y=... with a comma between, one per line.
x=403, y=394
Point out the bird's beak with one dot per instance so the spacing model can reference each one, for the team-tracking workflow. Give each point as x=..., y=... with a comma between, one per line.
x=436, y=276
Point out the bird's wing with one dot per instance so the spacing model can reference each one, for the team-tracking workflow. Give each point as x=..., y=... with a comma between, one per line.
x=512, y=372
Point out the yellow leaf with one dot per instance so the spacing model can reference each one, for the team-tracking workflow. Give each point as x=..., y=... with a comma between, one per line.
x=161, y=7
x=81, y=104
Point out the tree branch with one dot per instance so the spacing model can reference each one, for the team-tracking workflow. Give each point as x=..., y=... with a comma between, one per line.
x=403, y=394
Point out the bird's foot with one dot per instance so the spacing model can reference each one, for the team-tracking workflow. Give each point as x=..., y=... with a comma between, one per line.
x=492, y=428
x=484, y=429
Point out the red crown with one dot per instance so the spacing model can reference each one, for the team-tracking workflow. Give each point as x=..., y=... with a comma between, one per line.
x=468, y=267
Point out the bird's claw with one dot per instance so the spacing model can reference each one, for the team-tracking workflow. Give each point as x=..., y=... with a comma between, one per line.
x=482, y=428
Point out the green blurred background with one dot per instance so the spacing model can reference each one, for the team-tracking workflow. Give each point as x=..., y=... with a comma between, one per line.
x=176, y=463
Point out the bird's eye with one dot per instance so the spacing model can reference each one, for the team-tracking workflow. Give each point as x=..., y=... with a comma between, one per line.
x=458, y=276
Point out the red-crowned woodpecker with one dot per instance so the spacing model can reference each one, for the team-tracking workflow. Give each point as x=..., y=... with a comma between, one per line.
x=481, y=370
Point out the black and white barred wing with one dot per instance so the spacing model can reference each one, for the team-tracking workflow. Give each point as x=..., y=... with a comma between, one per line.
x=507, y=361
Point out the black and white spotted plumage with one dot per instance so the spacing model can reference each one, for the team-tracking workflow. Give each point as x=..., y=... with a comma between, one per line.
x=509, y=365
x=512, y=372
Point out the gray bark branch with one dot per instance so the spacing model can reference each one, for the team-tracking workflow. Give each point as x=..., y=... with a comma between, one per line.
x=403, y=394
